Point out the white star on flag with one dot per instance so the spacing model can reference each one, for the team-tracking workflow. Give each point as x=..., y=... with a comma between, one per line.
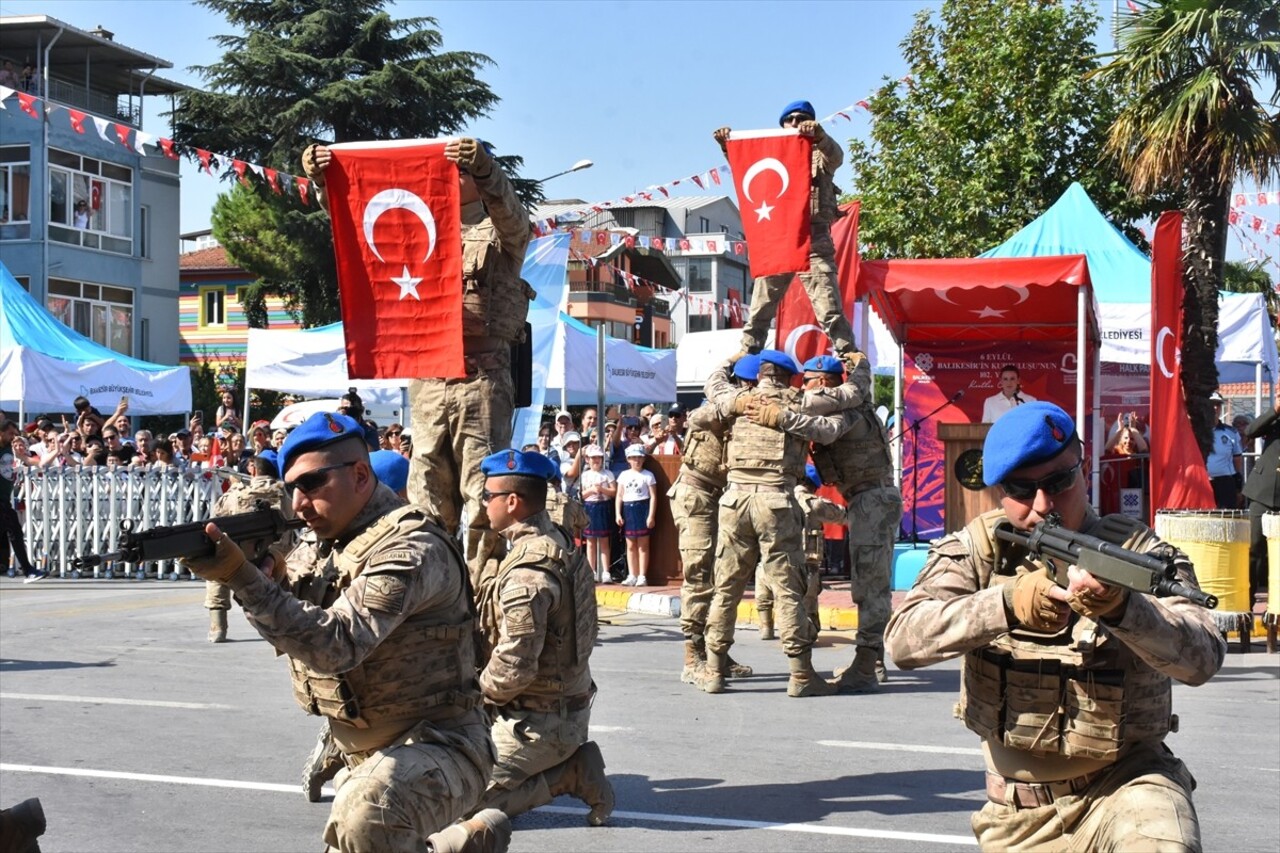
x=408, y=284
x=988, y=311
x=763, y=211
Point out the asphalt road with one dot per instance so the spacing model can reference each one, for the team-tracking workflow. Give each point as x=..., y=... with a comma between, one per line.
x=138, y=735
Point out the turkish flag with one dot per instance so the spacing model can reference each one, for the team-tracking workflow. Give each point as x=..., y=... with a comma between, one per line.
x=1179, y=479
x=795, y=311
x=771, y=174
x=397, y=236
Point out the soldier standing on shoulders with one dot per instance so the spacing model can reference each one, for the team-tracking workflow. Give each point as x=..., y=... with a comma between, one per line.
x=820, y=281
x=1068, y=688
x=379, y=633
x=760, y=520
x=263, y=490
x=538, y=615
x=858, y=463
x=458, y=422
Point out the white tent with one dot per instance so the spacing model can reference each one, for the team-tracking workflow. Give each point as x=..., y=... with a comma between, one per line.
x=44, y=365
x=633, y=374
x=313, y=363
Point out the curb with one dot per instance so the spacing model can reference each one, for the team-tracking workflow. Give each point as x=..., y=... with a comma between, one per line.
x=667, y=604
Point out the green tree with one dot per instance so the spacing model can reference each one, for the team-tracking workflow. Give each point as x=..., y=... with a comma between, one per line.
x=994, y=122
x=1193, y=123
x=303, y=71
x=1251, y=277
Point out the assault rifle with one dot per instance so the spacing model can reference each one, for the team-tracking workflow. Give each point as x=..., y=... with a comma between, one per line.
x=1106, y=561
x=254, y=531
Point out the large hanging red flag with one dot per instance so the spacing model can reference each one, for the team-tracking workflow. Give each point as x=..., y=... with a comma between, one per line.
x=397, y=236
x=1179, y=479
x=771, y=174
x=798, y=331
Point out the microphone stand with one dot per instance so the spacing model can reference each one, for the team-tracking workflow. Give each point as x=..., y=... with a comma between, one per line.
x=915, y=462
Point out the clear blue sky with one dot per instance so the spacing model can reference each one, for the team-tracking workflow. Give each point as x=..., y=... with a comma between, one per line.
x=636, y=87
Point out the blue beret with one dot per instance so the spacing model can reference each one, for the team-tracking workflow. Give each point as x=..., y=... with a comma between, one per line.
x=779, y=358
x=391, y=468
x=1025, y=435
x=319, y=430
x=824, y=364
x=797, y=107
x=747, y=367
x=270, y=455
x=811, y=471
x=517, y=463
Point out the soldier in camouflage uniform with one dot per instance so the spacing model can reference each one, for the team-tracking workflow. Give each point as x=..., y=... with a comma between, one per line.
x=379, y=633
x=1069, y=688
x=458, y=422
x=760, y=520
x=820, y=282
x=262, y=489
x=565, y=510
x=858, y=463
x=538, y=616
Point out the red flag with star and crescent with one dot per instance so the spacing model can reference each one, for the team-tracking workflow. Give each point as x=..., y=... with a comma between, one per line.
x=1179, y=479
x=771, y=174
x=795, y=312
x=397, y=236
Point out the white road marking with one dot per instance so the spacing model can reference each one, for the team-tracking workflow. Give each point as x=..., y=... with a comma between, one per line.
x=106, y=700
x=596, y=728
x=649, y=817
x=902, y=747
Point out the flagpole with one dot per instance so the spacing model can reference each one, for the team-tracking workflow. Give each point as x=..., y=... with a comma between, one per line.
x=600, y=410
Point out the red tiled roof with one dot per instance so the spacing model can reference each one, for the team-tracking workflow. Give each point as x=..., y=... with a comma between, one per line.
x=214, y=258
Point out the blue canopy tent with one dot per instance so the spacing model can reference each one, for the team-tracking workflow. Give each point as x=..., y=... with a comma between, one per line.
x=44, y=365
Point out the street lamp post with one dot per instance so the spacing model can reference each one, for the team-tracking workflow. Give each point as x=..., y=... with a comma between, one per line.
x=576, y=167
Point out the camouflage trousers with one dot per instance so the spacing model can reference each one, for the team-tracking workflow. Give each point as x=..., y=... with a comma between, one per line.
x=693, y=509
x=823, y=287
x=456, y=424
x=217, y=596
x=874, y=518
x=397, y=796
x=1141, y=804
x=764, y=592
x=760, y=529
x=529, y=743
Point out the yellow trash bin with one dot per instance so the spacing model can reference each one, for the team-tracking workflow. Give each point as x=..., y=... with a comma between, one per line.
x=1217, y=541
x=1271, y=530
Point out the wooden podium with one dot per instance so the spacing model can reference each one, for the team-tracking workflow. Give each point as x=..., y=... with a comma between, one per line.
x=665, y=566
x=961, y=505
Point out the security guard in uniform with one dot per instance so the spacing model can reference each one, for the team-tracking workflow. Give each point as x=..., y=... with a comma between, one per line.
x=820, y=282
x=538, y=617
x=760, y=520
x=858, y=463
x=458, y=422
x=379, y=633
x=1068, y=688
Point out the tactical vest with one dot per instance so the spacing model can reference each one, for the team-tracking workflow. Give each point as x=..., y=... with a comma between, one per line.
x=704, y=455
x=1079, y=692
x=258, y=493
x=566, y=511
x=495, y=300
x=859, y=459
x=824, y=195
x=756, y=446
x=424, y=670
x=573, y=625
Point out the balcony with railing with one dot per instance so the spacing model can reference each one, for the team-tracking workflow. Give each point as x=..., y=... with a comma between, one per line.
x=100, y=103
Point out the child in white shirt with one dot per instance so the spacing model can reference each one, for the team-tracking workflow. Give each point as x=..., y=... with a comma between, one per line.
x=598, y=487
x=637, y=502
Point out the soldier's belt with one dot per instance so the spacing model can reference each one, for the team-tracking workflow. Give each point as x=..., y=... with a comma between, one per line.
x=551, y=705
x=1032, y=795
x=757, y=487
x=693, y=477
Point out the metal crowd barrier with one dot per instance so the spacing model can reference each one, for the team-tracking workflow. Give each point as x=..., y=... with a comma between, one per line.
x=75, y=511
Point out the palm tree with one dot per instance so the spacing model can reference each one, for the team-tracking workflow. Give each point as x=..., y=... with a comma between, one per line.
x=1193, y=124
x=1252, y=277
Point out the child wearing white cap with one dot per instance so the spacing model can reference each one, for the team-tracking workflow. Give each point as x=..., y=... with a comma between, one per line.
x=636, y=502
x=598, y=488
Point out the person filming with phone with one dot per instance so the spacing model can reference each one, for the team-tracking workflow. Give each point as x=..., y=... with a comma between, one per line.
x=1009, y=397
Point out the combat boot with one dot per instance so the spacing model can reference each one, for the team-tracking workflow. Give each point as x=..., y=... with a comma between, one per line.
x=710, y=678
x=765, y=618
x=695, y=657
x=859, y=676
x=487, y=831
x=584, y=778
x=20, y=826
x=804, y=681
x=322, y=764
x=739, y=670
x=882, y=674
x=217, y=626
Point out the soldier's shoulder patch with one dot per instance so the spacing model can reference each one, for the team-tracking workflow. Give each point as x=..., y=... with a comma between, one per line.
x=405, y=557
x=516, y=594
x=519, y=620
x=384, y=593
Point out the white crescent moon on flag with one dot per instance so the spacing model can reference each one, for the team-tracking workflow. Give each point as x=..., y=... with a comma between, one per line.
x=1164, y=332
x=942, y=294
x=793, y=340
x=1023, y=293
x=768, y=164
x=404, y=200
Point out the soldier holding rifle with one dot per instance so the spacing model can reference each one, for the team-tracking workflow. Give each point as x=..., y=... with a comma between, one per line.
x=1068, y=687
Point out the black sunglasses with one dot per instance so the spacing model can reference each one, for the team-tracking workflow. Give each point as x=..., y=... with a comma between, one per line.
x=486, y=495
x=797, y=117
x=313, y=480
x=1054, y=484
